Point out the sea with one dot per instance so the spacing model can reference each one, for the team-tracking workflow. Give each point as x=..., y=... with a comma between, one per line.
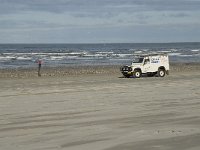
x=55, y=55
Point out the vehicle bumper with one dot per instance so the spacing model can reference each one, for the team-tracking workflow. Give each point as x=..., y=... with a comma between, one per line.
x=126, y=73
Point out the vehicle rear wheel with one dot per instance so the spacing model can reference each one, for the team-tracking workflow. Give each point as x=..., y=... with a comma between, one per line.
x=161, y=72
x=138, y=73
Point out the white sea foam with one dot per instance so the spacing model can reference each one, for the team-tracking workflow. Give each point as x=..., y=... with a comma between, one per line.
x=23, y=58
x=7, y=57
x=3, y=58
x=125, y=55
x=104, y=52
x=72, y=57
x=57, y=57
x=175, y=54
x=138, y=52
x=186, y=55
x=173, y=50
x=165, y=51
x=195, y=50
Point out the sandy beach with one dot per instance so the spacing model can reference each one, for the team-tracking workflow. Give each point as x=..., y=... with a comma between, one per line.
x=95, y=108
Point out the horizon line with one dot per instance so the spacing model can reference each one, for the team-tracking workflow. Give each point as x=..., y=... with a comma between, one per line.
x=109, y=43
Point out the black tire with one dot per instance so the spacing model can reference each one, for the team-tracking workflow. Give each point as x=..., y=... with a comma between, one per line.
x=137, y=73
x=161, y=72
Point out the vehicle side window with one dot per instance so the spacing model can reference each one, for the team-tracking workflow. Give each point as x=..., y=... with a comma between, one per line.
x=138, y=60
x=146, y=61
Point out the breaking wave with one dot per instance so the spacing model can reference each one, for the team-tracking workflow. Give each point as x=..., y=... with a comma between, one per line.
x=117, y=54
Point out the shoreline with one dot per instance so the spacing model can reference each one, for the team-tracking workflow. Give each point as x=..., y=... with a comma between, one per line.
x=83, y=70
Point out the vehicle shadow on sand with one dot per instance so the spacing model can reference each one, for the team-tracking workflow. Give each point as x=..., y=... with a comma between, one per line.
x=142, y=76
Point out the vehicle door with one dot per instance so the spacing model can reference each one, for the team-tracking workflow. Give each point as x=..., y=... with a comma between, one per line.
x=147, y=66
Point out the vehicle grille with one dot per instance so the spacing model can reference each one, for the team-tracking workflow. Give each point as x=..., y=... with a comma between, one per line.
x=126, y=68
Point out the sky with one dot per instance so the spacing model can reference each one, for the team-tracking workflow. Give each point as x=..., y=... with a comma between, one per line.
x=99, y=21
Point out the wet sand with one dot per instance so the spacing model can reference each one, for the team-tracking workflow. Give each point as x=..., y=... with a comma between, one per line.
x=101, y=111
x=61, y=71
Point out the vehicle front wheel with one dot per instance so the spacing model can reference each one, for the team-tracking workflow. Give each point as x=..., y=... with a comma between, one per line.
x=161, y=72
x=138, y=73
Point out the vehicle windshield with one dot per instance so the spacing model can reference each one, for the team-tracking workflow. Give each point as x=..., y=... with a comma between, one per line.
x=138, y=60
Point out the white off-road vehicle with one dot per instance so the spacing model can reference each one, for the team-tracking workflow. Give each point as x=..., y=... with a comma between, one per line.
x=150, y=64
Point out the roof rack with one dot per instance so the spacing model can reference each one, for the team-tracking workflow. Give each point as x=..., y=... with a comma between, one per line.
x=149, y=54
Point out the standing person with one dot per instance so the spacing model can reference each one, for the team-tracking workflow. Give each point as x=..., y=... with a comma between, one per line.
x=39, y=67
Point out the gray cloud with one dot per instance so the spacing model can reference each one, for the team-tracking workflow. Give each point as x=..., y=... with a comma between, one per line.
x=179, y=15
x=103, y=17
x=27, y=24
x=59, y=6
x=102, y=9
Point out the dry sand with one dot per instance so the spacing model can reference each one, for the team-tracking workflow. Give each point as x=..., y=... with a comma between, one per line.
x=101, y=111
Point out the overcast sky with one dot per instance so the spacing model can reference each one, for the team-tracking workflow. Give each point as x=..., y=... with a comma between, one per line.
x=99, y=21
